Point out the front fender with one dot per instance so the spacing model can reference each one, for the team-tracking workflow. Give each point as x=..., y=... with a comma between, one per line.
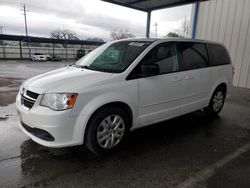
x=107, y=98
x=100, y=101
x=92, y=98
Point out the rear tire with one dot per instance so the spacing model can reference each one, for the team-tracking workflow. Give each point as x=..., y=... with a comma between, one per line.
x=216, y=102
x=107, y=130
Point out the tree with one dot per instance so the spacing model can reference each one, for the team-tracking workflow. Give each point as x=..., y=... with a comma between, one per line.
x=96, y=39
x=184, y=29
x=172, y=34
x=121, y=34
x=63, y=34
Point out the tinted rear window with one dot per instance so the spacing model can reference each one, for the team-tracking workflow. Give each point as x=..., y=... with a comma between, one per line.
x=192, y=55
x=218, y=55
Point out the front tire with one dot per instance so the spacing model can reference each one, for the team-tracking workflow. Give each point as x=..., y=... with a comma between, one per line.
x=107, y=130
x=216, y=102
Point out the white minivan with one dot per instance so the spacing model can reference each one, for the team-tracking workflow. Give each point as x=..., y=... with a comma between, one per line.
x=121, y=86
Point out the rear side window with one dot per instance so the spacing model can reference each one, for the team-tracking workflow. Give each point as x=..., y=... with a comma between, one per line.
x=192, y=55
x=218, y=55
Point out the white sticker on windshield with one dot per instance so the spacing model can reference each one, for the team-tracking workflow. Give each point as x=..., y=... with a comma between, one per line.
x=136, y=44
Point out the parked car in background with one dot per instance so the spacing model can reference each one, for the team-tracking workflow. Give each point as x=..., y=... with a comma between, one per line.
x=54, y=58
x=49, y=57
x=87, y=51
x=81, y=53
x=121, y=86
x=38, y=57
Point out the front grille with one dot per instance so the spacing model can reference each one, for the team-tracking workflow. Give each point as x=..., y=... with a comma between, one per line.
x=27, y=102
x=32, y=94
x=28, y=99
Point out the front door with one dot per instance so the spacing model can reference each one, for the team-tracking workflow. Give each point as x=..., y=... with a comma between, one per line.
x=159, y=94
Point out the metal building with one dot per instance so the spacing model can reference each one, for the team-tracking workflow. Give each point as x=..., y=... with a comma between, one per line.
x=227, y=21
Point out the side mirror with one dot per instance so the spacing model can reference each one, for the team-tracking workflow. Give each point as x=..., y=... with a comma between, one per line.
x=150, y=70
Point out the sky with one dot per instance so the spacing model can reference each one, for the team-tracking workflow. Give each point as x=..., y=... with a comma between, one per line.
x=87, y=18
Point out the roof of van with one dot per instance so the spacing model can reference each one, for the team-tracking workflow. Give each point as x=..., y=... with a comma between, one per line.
x=168, y=39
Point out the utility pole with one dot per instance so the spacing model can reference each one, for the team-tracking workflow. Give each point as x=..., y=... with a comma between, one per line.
x=156, y=24
x=26, y=29
x=1, y=32
x=25, y=20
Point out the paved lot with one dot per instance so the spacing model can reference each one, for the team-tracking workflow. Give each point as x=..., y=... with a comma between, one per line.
x=189, y=151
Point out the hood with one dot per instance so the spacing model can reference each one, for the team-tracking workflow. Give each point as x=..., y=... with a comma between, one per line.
x=67, y=79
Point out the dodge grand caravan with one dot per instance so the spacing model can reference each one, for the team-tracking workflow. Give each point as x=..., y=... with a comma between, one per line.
x=120, y=86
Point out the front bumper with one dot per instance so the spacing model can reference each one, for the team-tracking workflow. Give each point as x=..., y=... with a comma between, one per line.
x=64, y=129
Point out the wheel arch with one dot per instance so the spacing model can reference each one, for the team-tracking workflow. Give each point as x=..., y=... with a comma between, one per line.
x=221, y=83
x=118, y=104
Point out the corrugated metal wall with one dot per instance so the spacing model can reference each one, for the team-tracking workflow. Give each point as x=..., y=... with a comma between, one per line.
x=227, y=21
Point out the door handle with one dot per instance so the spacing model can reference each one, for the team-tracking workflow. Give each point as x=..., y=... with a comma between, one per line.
x=188, y=77
x=177, y=79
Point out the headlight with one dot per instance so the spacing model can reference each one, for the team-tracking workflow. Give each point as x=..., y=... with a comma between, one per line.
x=21, y=90
x=59, y=101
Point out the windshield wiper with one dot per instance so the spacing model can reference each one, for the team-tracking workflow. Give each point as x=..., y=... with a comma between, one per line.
x=72, y=64
x=93, y=68
x=84, y=67
x=81, y=66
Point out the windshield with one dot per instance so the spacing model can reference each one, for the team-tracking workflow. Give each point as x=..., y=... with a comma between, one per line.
x=113, y=57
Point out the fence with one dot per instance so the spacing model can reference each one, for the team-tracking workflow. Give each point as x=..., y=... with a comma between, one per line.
x=15, y=52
